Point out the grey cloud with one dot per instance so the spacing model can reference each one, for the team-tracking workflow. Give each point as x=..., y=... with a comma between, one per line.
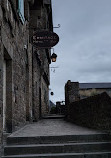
x=84, y=50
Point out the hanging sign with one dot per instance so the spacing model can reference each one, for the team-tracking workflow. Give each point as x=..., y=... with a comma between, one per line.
x=44, y=39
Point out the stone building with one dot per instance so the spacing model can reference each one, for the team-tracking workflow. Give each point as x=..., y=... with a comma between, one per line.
x=90, y=89
x=71, y=94
x=24, y=70
x=75, y=90
x=80, y=93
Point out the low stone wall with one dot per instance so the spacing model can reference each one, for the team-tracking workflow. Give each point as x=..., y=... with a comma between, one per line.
x=60, y=109
x=93, y=112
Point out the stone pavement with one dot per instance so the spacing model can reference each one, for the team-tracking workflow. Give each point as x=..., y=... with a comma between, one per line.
x=51, y=127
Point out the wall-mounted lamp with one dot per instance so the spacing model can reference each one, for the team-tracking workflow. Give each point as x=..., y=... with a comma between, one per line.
x=53, y=56
x=52, y=93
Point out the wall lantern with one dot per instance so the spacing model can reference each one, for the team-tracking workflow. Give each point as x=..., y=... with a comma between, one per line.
x=52, y=93
x=53, y=56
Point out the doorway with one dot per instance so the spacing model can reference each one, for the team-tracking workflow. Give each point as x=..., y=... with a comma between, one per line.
x=7, y=92
x=27, y=95
x=40, y=111
x=4, y=95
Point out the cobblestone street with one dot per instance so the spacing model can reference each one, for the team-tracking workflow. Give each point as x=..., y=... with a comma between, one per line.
x=48, y=127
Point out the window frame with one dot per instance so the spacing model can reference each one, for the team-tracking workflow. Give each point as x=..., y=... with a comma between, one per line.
x=21, y=10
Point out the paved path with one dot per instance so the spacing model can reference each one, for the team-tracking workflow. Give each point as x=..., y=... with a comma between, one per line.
x=51, y=127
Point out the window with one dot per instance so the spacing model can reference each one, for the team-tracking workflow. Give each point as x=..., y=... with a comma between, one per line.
x=21, y=10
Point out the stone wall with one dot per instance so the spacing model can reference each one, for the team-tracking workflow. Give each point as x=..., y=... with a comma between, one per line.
x=45, y=81
x=93, y=112
x=28, y=68
x=39, y=18
x=71, y=93
x=84, y=93
x=14, y=35
x=1, y=82
x=75, y=91
x=24, y=89
x=1, y=101
x=36, y=86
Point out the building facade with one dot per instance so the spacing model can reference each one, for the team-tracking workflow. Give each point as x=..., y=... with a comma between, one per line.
x=24, y=69
x=71, y=94
x=90, y=89
x=75, y=91
x=80, y=93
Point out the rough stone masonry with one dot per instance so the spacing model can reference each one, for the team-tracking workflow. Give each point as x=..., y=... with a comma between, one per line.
x=24, y=70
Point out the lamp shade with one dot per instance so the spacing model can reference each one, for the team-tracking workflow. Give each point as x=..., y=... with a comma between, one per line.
x=52, y=93
x=53, y=57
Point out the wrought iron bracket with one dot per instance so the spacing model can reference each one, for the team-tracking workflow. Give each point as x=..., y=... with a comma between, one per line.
x=57, y=26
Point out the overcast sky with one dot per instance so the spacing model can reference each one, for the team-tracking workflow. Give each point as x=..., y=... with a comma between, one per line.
x=84, y=49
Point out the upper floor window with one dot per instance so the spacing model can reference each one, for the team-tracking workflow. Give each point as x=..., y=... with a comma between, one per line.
x=21, y=10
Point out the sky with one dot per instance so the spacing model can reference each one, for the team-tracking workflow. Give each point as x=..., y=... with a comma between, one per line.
x=84, y=49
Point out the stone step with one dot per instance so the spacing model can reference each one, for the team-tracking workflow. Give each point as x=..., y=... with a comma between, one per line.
x=58, y=139
x=53, y=116
x=58, y=148
x=64, y=155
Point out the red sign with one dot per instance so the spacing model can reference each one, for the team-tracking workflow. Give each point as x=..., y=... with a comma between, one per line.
x=44, y=39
